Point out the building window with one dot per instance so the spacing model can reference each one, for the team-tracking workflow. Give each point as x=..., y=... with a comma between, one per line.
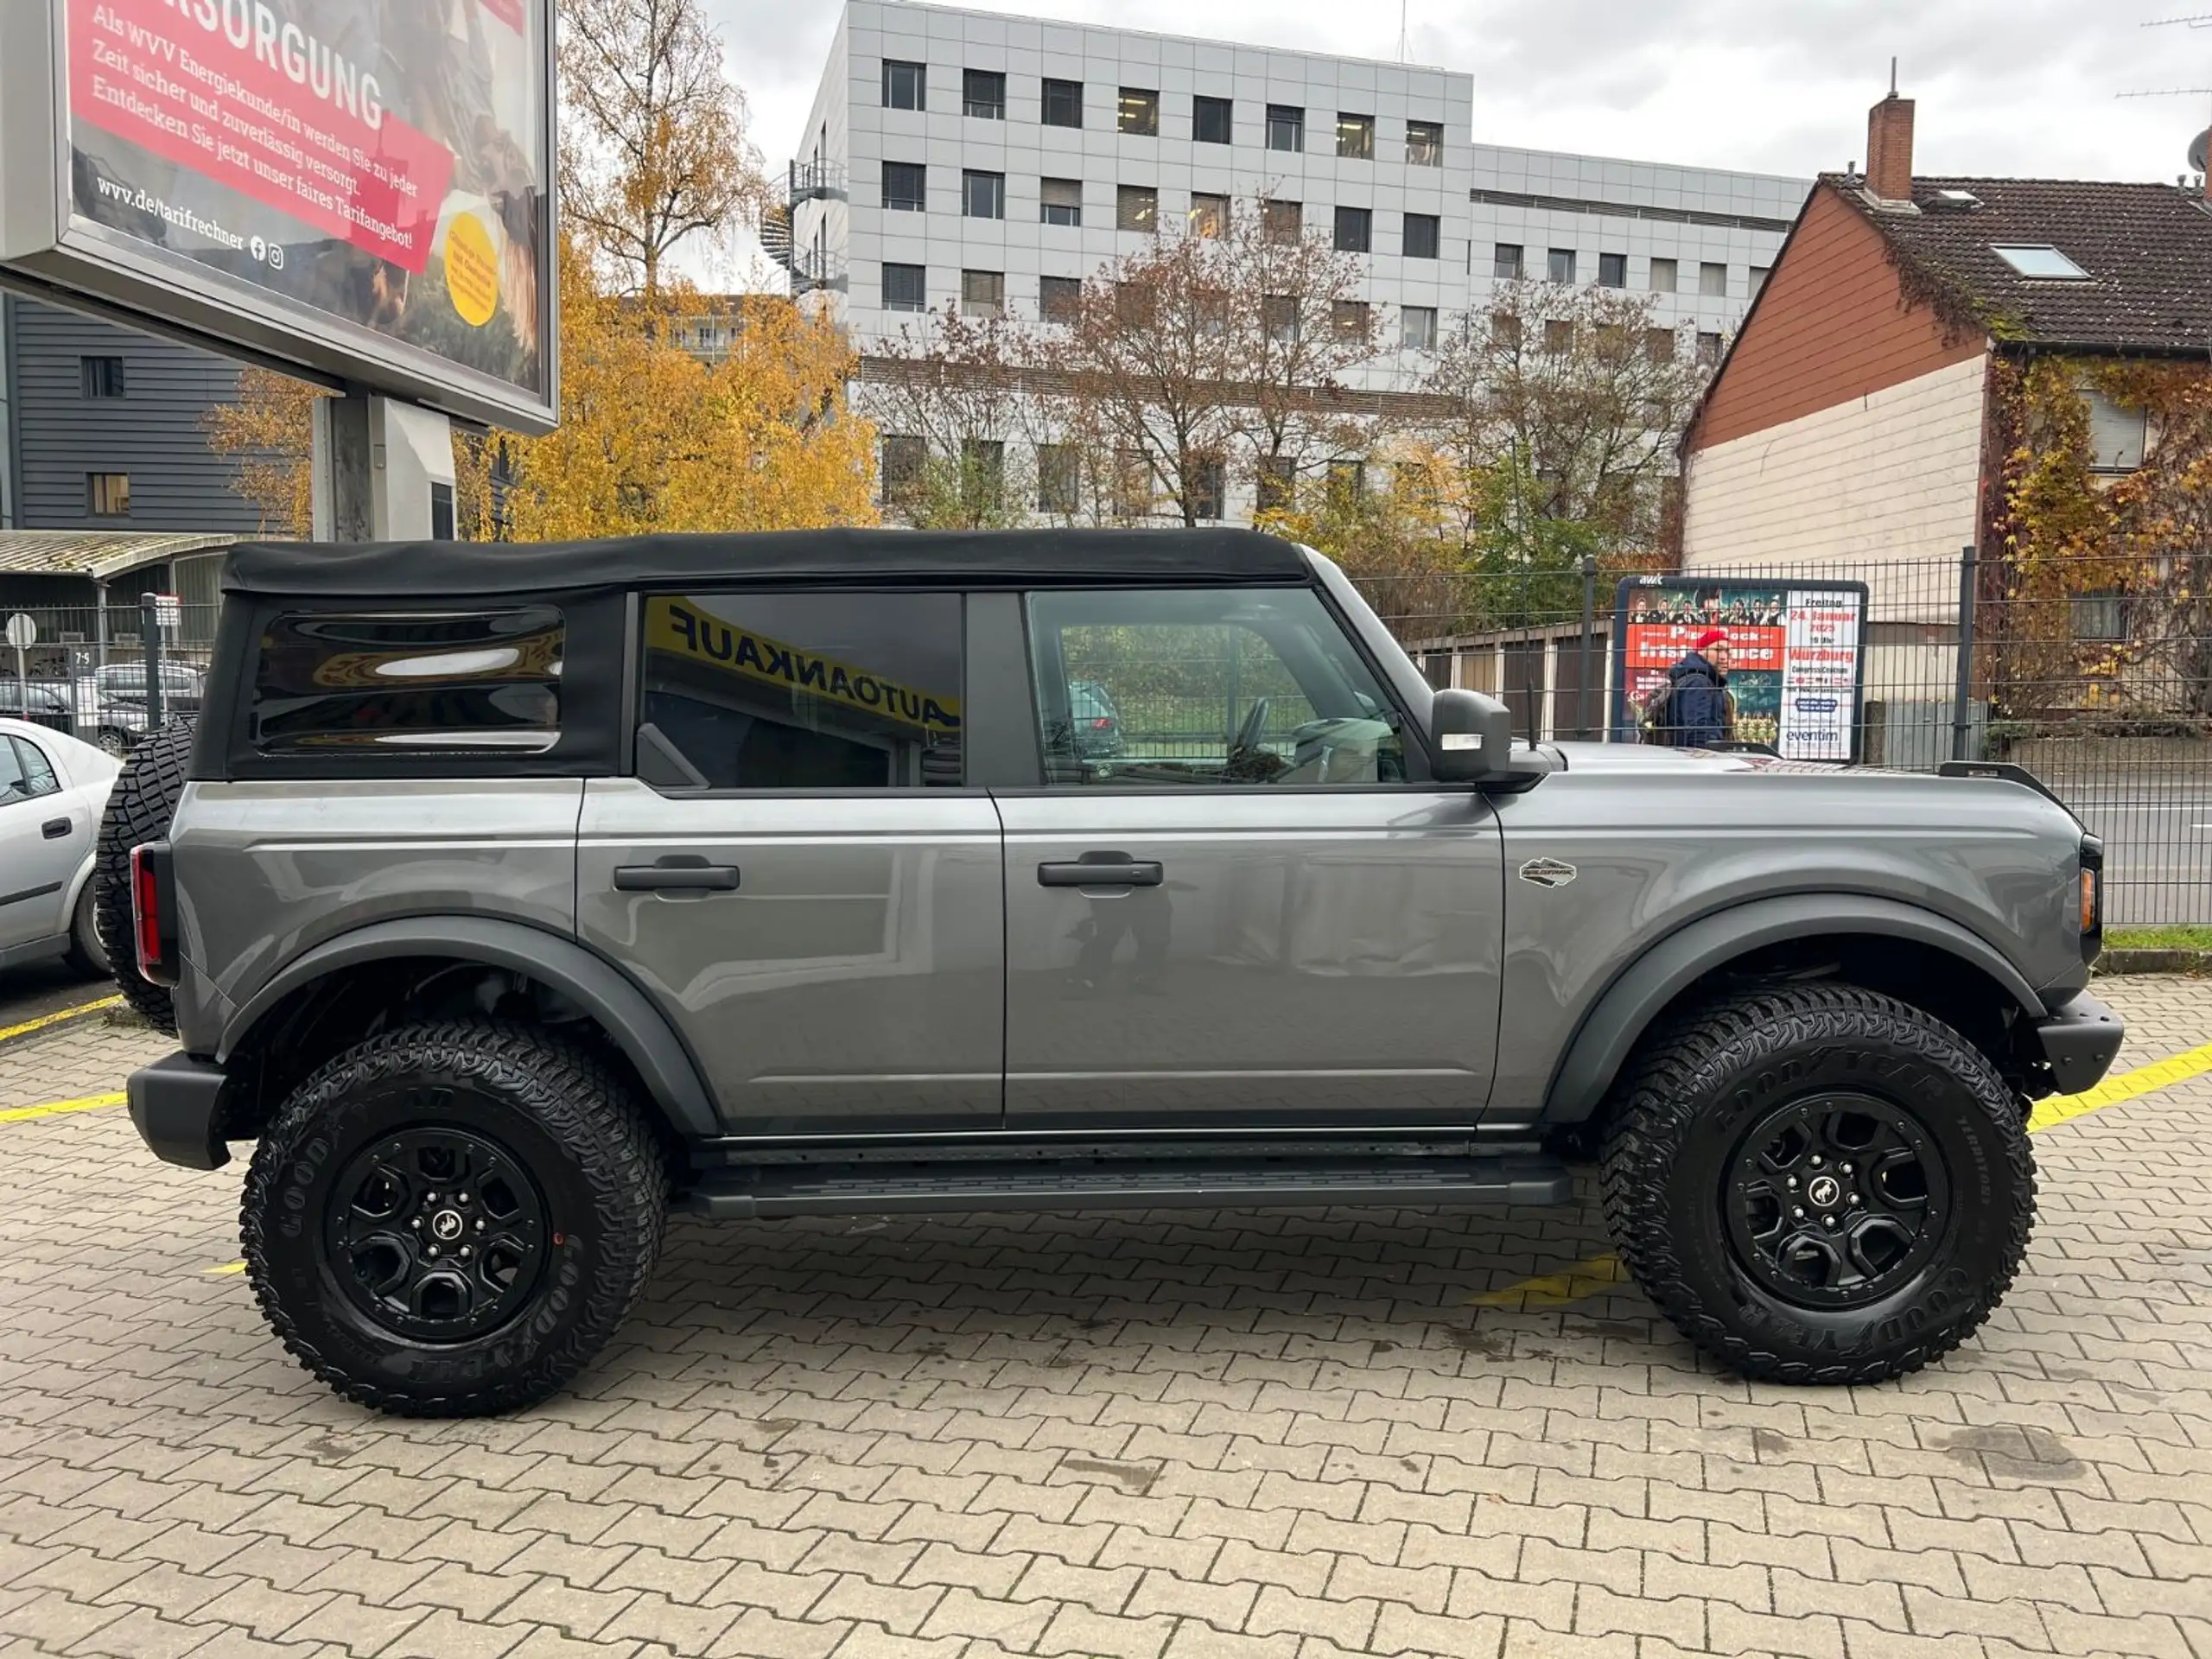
x=1666, y=276
x=1209, y=309
x=1136, y=207
x=2116, y=435
x=1659, y=344
x=1559, y=337
x=904, y=289
x=1135, y=304
x=1063, y=103
x=100, y=376
x=1059, y=201
x=1132, y=484
x=1506, y=262
x=904, y=457
x=2098, y=618
x=1612, y=270
x=1211, y=120
x=1277, y=483
x=107, y=495
x=982, y=474
x=983, y=94
x=1505, y=331
x=906, y=187
x=1059, y=475
x=1354, y=230
x=982, y=293
x=1282, y=221
x=983, y=195
x=1561, y=268
x=1347, y=481
x=1355, y=138
x=1708, y=350
x=1424, y=143
x=1424, y=236
x=1139, y=112
x=1059, y=299
x=1760, y=274
x=1713, y=280
x=1350, y=319
x=1209, y=214
x=1206, y=486
x=1417, y=327
x=905, y=86
x=1279, y=318
x=2040, y=260
x=1286, y=128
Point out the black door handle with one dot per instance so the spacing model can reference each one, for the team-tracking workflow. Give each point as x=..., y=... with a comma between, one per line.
x=1101, y=870
x=54, y=828
x=675, y=878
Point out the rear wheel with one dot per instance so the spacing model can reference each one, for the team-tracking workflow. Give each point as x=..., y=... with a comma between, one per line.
x=453, y=1219
x=87, y=954
x=1819, y=1184
x=139, y=807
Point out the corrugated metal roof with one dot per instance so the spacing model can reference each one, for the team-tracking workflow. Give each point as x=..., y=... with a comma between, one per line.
x=97, y=554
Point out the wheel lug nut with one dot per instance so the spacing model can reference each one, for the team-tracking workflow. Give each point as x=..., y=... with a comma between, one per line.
x=1793, y=1183
x=1851, y=1198
x=464, y=1252
x=416, y=1224
x=480, y=1223
x=432, y=1252
x=462, y=1198
x=433, y=1197
x=1827, y=1221
x=1816, y=1160
x=1798, y=1213
x=1846, y=1169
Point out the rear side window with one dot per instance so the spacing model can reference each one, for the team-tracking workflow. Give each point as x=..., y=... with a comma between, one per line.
x=426, y=682
x=801, y=691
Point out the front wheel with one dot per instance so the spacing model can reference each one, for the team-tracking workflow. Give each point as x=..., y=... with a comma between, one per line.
x=1819, y=1184
x=452, y=1219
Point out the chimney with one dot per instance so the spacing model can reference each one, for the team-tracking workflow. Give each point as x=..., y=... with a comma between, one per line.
x=1889, y=148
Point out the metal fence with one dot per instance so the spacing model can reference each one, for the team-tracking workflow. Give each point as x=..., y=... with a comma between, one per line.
x=2097, y=679
x=84, y=669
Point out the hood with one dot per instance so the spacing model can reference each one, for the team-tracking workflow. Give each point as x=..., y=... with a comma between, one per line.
x=1694, y=663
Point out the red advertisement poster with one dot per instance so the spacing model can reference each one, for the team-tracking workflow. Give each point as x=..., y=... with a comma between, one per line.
x=379, y=160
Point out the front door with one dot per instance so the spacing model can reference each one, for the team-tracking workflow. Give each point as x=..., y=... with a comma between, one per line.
x=798, y=871
x=45, y=834
x=1232, y=906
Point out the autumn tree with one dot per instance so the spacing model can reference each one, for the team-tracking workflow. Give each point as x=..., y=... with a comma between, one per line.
x=267, y=433
x=1311, y=326
x=654, y=149
x=955, y=399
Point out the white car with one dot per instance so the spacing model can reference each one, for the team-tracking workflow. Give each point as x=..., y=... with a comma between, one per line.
x=52, y=789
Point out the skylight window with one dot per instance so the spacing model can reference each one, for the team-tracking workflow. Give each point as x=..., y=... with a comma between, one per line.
x=2040, y=260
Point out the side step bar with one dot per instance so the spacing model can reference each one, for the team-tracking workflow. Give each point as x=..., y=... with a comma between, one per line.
x=973, y=1188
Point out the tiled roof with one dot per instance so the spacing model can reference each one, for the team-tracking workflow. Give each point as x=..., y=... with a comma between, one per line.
x=2147, y=249
x=98, y=554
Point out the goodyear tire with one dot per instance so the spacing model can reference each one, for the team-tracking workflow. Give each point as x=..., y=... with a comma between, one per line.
x=1819, y=1184
x=452, y=1219
x=139, y=807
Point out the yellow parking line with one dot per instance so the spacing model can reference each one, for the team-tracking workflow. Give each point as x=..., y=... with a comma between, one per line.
x=55, y=1107
x=62, y=1017
x=226, y=1267
x=1586, y=1279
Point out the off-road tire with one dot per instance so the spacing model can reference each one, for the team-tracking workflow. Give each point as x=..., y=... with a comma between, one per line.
x=1672, y=1136
x=571, y=1124
x=139, y=807
x=87, y=954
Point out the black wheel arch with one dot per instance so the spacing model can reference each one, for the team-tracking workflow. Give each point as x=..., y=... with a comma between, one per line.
x=380, y=954
x=1975, y=986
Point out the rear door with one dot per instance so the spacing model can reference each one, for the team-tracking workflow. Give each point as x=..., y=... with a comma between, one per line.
x=45, y=832
x=1249, y=910
x=799, y=870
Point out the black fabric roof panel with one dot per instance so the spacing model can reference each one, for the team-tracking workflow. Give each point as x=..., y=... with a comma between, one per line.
x=413, y=570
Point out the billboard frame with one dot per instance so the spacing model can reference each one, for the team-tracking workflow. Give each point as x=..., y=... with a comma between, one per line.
x=1623, y=727
x=46, y=253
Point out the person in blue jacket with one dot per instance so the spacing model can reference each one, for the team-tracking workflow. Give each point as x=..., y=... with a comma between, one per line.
x=1695, y=710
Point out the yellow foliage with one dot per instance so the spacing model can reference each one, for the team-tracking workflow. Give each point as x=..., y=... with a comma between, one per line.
x=653, y=440
x=270, y=433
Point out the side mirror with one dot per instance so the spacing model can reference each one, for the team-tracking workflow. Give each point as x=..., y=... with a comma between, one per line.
x=1472, y=736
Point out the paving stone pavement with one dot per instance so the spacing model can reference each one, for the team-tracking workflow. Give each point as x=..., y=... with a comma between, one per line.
x=1184, y=1435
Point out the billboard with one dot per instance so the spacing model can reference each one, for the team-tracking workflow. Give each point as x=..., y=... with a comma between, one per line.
x=1798, y=652
x=358, y=189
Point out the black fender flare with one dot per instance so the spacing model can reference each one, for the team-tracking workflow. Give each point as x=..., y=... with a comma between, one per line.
x=593, y=983
x=1618, y=1021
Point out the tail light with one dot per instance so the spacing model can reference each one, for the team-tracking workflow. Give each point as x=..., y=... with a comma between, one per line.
x=1103, y=723
x=2090, y=896
x=153, y=911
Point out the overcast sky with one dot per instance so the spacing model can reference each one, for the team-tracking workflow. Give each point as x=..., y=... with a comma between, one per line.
x=2019, y=88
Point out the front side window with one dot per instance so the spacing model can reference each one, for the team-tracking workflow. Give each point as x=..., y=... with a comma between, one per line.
x=1230, y=687
x=983, y=94
x=25, y=773
x=779, y=691
x=905, y=86
x=419, y=682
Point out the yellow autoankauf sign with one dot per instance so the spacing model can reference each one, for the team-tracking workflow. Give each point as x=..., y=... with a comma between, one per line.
x=675, y=627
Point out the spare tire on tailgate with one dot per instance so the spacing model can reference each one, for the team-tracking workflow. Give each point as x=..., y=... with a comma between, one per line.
x=139, y=808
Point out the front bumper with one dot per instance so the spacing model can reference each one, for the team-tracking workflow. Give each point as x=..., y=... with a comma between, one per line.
x=2079, y=1042
x=176, y=1104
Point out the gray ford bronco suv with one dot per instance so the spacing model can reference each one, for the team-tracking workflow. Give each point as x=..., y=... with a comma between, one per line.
x=509, y=898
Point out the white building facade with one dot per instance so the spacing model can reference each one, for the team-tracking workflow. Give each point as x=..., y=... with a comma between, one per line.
x=985, y=162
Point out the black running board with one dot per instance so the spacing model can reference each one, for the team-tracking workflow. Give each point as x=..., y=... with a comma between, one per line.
x=970, y=1188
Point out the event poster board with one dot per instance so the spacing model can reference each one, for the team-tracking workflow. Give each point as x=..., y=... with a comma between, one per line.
x=365, y=185
x=1799, y=649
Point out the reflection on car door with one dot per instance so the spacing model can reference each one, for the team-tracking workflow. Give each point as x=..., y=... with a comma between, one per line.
x=45, y=833
x=1250, y=917
x=798, y=873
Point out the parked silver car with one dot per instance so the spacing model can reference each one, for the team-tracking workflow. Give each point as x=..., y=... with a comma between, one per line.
x=53, y=789
x=517, y=893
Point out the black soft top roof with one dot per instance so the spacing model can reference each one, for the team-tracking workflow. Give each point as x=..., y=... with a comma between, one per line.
x=432, y=569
